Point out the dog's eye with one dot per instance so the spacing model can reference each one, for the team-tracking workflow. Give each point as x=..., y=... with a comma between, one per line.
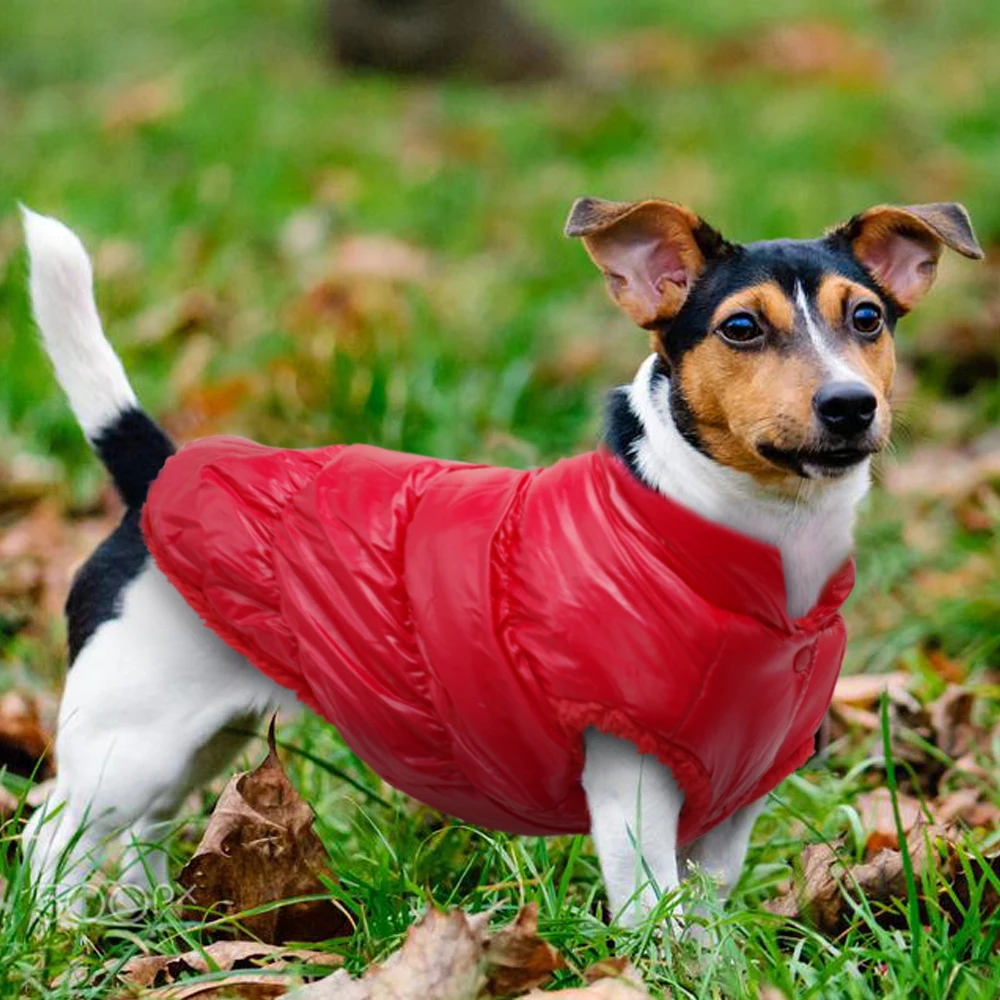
x=740, y=329
x=867, y=318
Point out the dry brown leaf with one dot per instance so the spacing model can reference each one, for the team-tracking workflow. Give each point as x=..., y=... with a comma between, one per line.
x=965, y=805
x=221, y=956
x=922, y=734
x=452, y=956
x=260, y=848
x=39, y=553
x=25, y=479
x=194, y=311
x=8, y=804
x=241, y=987
x=817, y=49
x=143, y=103
x=865, y=690
x=949, y=670
x=817, y=894
x=814, y=894
x=951, y=721
x=649, y=54
x=373, y=257
x=945, y=473
x=517, y=959
x=879, y=821
x=610, y=979
x=442, y=958
x=24, y=740
x=208, y=408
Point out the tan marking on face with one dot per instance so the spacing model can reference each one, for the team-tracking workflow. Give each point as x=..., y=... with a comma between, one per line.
x=766, y=301
x=875, y=361
x=741, y=399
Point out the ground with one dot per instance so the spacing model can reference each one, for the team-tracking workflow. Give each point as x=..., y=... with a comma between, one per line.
x=304, y=257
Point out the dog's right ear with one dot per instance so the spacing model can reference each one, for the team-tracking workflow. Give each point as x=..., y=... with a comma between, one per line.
x=650, y=252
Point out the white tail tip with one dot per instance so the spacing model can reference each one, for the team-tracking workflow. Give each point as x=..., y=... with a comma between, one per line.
x=62, y=298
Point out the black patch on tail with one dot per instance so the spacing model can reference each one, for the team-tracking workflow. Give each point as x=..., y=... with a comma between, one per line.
x=133, y=449
x=96, y=594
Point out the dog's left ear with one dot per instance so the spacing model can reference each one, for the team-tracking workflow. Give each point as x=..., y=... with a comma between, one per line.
x=650, y=252
x=899, y=245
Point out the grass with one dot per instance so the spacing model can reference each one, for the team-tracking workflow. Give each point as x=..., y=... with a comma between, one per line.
x=207, y=148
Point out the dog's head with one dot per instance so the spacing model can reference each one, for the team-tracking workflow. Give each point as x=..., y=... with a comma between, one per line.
x=780, y=353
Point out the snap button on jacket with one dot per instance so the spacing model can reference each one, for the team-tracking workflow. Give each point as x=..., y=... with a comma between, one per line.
x=463, y=625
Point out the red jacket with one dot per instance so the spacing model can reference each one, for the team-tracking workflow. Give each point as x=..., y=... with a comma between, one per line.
x=462, y=625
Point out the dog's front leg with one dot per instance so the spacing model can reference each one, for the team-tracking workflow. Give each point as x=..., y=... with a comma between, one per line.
x=720, y=854
x=634, y=806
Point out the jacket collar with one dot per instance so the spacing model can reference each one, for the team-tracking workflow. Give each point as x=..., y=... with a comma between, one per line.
x=730, y=570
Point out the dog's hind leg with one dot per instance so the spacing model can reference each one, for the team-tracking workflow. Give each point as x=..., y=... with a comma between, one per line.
x=148, y=714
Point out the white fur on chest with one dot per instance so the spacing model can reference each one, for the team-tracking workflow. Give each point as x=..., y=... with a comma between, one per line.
x=813, y=530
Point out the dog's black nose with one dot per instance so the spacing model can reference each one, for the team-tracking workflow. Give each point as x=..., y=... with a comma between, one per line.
x=845, y=408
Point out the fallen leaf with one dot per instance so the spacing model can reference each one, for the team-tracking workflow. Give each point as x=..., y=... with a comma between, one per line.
x=865, y=690
x=142, y=103
x=375, y=257
x=442, y=958
x=610, y=979
x=647, y=55
x=517, y=959
x=39, y=554
x=221, y=956
x=879, y=821
x=241, y=987
x=260, y=848
x=951, y=721
x=966, y=805
x=454, y=956
x=815, y=49
x=25, y=479
x=814, y=894
x=821, y=890
x=24, y=741
x=949, y=670
x=945, y=473
x=196, y=310
x=8, y=804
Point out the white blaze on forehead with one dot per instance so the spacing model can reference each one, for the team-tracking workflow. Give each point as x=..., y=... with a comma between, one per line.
x=837, y=369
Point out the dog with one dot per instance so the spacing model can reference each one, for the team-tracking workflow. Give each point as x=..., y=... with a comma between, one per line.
x=639, y=642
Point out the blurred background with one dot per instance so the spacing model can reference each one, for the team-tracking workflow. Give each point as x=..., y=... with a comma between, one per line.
x=340, y=220
x=292, y=241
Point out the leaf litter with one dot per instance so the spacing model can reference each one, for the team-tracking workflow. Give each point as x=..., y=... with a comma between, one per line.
x=260, y=851
x=942, y=754
x=261, y=860
x=445, y=956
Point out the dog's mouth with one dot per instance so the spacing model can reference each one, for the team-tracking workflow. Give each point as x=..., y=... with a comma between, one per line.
x=816, y=463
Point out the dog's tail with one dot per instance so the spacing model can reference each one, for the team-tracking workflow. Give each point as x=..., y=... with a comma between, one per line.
x=129, y=443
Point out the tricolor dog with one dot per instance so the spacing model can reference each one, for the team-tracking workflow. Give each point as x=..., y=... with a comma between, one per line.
x=639, y=642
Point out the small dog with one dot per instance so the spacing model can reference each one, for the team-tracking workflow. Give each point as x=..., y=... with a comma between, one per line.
x=640, y=642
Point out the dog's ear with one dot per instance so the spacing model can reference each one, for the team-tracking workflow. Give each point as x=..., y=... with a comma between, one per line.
x=899, y=245
x=650, y=252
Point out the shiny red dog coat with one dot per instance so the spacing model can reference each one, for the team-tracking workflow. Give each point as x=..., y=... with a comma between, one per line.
x=463, y=625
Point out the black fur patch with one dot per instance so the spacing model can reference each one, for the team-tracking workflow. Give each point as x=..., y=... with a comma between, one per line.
x=622, y=428
x=96, y=594
x=133, y=449
x=782, y=261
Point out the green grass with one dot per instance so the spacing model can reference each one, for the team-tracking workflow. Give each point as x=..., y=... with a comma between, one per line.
x=498, y=349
